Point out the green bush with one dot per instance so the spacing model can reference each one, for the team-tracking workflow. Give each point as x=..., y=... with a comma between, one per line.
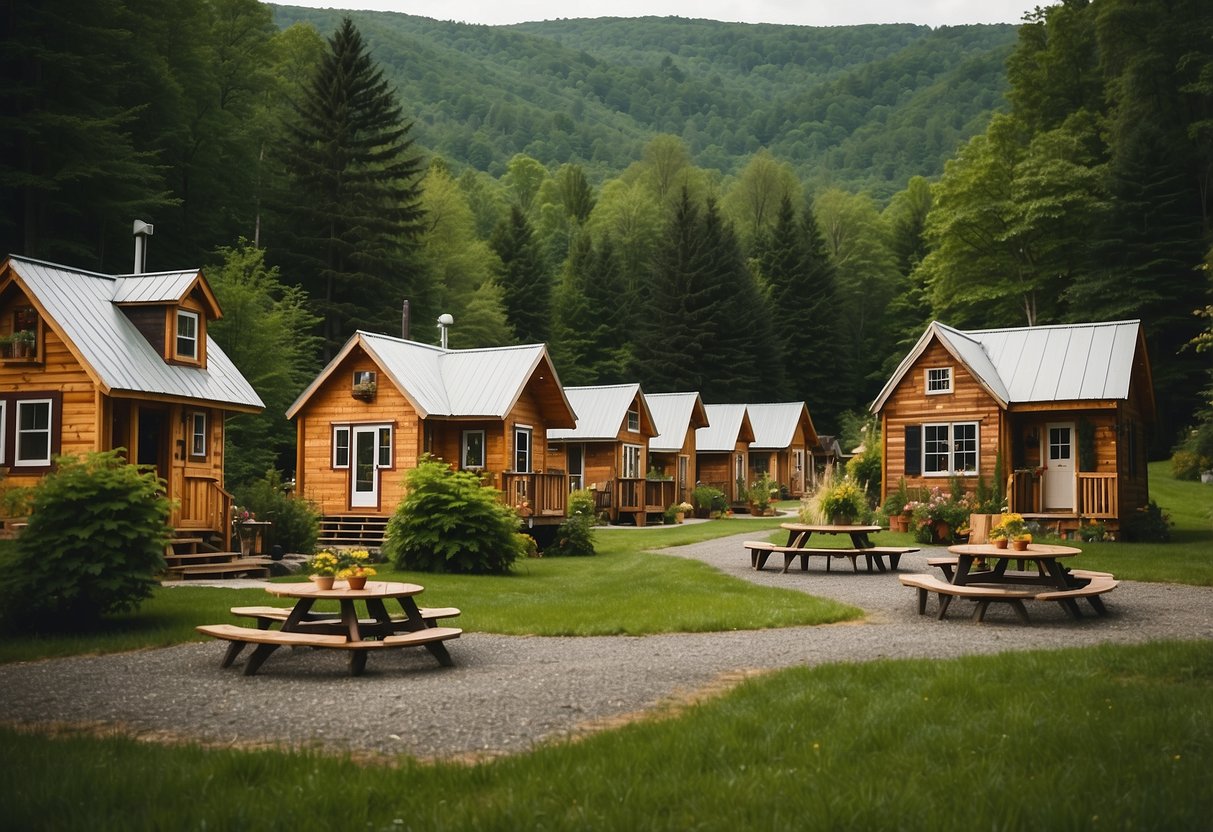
x=296, y=523
x=844, y=499
x=95, y=541
x=1185, y=465
x=1147, y=525
x=449, y=522
x=575, y=536
x=708, y=499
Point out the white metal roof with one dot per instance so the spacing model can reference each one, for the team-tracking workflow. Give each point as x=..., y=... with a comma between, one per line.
x=601, y=411
x=775, y=423
x=161, y=287
x=1065, y=362
x=672, y=414
x=456, y=383
x=723, y=430
x=80, y=305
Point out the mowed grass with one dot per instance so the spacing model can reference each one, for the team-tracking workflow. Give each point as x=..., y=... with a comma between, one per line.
x=1115, y=737
x=623, y=590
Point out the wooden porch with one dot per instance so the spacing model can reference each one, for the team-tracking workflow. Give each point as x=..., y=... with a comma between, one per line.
x=634, y=496
x=541, y=499
x=1096, y=497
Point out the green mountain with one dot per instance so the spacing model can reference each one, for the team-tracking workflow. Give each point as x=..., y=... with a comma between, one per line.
x=857, y=106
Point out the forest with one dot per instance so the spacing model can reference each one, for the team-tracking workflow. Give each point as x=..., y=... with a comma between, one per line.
x=759, y=213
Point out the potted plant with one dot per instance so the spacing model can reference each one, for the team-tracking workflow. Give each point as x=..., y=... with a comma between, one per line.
x=760, y=494
x=23, y=343
x=844, y=503
x=364, y=390
x=323, y=568
x=6, y=346
x=1013, y=527
x=895, y=508
x=355, y=567
x=998, y=536
x=681, y=510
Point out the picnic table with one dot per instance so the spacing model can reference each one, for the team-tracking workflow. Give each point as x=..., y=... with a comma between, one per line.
x=347, y=630
x=1045, y=557
x=797, y=547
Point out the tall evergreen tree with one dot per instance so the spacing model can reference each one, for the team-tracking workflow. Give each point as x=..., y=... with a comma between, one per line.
x=354, y=194
x=523, y=277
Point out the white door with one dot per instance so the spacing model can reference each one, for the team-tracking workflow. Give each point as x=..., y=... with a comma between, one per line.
x=1058, y=486
x=365, y=487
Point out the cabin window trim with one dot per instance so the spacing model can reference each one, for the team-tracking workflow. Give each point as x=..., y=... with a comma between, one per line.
x=465, y=446
x=198, y=431
x=384, y=456
x=951, y=449
x=938, y=380
x=633, y=421
x=3, y=432
x=341, y=446
x=524, y=447
x=631, y=466
x=181, y=338
x=20, y=460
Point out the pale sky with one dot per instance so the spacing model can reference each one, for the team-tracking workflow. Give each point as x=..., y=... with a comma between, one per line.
x=811, y=13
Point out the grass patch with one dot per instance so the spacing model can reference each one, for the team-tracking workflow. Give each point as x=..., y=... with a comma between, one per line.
x=974, y=743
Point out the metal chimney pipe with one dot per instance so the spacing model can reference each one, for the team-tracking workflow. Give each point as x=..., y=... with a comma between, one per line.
x=404, y=321
x=444, y=321
x=142, y=230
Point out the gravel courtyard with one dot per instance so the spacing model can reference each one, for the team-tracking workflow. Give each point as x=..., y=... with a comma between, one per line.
x=507, y=693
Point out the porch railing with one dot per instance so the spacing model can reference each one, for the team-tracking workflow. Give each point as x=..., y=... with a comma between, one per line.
x=634, y=495
x=536, y=494
x=204, y=505
x=1097, y=496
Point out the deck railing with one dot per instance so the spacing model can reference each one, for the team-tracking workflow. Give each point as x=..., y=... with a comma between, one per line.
x=634, y=495
x=204, y=505
x=1097, y=495
x=535, y=494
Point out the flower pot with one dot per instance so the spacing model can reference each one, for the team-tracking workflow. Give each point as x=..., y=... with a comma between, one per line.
x=356, y=581
x=841, y=520
x=679, y=516
x=943, y=532
x=1000, y=543
x=1019, y=545
x=322, y=581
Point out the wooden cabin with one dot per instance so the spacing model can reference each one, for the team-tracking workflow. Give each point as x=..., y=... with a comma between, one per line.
x=784, y=439
x=93, y=362
x=722, y=450
x=382, y=402
x=608, y=452
x=1064, y=408
x=678, y=416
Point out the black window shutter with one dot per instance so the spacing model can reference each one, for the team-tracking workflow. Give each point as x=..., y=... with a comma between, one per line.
x=913, y=450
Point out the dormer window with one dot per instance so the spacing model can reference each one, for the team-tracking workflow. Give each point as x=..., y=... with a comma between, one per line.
x=633, y=421
x=939, y=380
x=187, y=336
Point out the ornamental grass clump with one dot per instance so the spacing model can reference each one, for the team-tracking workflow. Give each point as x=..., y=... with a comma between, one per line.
x=450, y=522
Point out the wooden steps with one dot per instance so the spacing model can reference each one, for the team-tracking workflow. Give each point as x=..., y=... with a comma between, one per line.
x=348, y=530
x=234, y=567
x=190, y=554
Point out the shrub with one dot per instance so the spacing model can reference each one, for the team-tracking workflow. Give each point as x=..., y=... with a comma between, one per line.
x=95, y=541
x=1185, y=465
x=1147, y=525
x=296, y=522
x=449, y=522
x=708, y=499
x=574, y=535
x=845, y=499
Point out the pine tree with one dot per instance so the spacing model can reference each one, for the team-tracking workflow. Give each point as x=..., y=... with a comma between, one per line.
x=523, y=278
x=354, y=198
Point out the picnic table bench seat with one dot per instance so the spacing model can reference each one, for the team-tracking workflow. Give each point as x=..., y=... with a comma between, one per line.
x=1094, y=588
x=264, y=616
x=269, y=640
x=760, y=551
x=984, y=595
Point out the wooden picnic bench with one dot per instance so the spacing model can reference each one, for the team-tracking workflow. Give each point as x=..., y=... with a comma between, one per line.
x=983, y=595
x=874, y=556
x=1094, y=588
x=265, y=616
x=268, y=641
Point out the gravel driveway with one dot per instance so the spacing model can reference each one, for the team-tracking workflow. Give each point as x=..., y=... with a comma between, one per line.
x=507, y=693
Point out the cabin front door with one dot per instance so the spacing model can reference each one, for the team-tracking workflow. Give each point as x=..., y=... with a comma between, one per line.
x=1058, y=485
x=365, y=484
x=153, y=440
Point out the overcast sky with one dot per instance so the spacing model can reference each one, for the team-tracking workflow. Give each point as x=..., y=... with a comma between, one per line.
x=810, y=13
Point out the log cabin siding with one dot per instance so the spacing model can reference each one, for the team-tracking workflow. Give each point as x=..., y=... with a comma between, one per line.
x=910, y=405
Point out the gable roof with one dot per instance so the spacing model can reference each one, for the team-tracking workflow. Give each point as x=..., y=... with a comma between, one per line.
x=775, y=424
x=80, y=307
x=673, y=415
x=473, y=383
x=1067, y=362
x=164, y=288
x=728, y=424
x=601, y=411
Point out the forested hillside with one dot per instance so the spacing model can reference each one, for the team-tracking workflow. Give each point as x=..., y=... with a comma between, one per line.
x=855, y=106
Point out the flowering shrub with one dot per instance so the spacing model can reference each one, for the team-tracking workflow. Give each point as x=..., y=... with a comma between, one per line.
x=844, y=499
x=1012, y=526
x=938, y=509
x=685, y=508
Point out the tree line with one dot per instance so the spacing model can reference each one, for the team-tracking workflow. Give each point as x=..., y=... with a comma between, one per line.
x=286, y=160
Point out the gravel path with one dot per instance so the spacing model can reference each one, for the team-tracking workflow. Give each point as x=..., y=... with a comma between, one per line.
x=507, y=693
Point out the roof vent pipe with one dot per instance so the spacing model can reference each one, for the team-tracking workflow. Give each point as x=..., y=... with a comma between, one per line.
x=142, y=230
x=444, y=321
x=404, y=321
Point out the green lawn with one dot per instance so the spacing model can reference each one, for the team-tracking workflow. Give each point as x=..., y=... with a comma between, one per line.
x=1101, y=738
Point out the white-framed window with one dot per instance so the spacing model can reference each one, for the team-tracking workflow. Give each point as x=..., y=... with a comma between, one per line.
x=385, y=447
x=3, y=431
x=633, y=421
x=939, y=380
x=187, y=334
x=341, y=447
x=522, y=448
x=198, y=433
x=949, y=448
x=33, y=446
x=631, y=462
x=472, y=454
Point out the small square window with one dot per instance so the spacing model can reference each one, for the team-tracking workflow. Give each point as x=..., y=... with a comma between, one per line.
x=939, y=380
